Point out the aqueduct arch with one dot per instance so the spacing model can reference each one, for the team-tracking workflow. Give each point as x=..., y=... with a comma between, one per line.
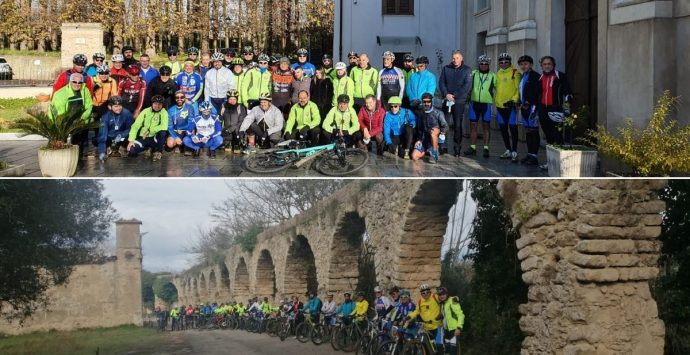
x=588, y=249
x=300, y=270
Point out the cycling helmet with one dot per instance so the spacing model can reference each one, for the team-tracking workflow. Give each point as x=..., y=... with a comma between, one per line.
x=118, y=58
x=79, y=59
x=98, y=55
x=340, y=66
x=264, y=58
x=172, y=50
x=217, y=57
x=526, y=58
x=389, y=54
x=205, y=106
x=102, y=69
x=484, y=59
x=237, y=61
x=327, y=56
x=115, y=100
x=302, y=51
x=133, y=70
x=424, y=287
x=505, y=56
x=247, y=50
x=395, y=100
x=352, y=54
x=422, y=60
x=394, y=289
x=427, y=96
x=192, y=50
x=157, y=99
x=265, y=97
x=404, y=293
x=360, y=294
x=441, y=291
x=232, y=93
x=378, y=289
x=127, y=48
x=557, y=117
x=408, y=57
x=343, y=98
x=165, y=70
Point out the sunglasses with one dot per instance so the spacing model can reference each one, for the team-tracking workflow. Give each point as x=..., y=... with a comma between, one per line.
x=98, y=60
x=427, y=101
x=483, y=63
x=395, y=106
x=427, y=291
x=76, y=82
x=102, y=73
x=302, y=56
x=263, y=62
x=504, y=62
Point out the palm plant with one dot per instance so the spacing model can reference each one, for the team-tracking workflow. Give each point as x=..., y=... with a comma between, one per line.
x=57, y=130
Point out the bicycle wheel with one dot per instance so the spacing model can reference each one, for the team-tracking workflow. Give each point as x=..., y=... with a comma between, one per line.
x=332, y=164
x=363, y=345
x=303, y=332
x=388, y=348
x=334, y=337
x=267, y=163
x=415, y=348
x=347, y=339
x=317, y=334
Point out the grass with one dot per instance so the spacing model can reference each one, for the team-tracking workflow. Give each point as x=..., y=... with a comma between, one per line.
x=12, y=109
x=4, y=52
x=115, y=340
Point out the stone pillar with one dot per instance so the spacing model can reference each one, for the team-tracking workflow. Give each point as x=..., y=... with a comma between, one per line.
x=84, y=38
x=588, y=250
x=128, y=270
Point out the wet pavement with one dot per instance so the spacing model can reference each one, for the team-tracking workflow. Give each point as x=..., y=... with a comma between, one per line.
x=230, y=165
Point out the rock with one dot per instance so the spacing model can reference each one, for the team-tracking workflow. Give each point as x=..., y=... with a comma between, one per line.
x=597, y=275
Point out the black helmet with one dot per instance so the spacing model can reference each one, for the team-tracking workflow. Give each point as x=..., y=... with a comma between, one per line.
x=115, y=100
x=98, y=55
x=302, y=51
x=327, y=56
x=172, y=50
x=423, y=60
x=352, y=54
x=127, y=48
x=343, y=98
x=232, y=93
x=165, y=70
x=526, y=58
x=427, y=96
x=408, y=57
x=192, y=50
x=158, y=98
x=79, y=59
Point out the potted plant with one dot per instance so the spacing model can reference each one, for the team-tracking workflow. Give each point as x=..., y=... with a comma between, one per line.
x=59, y=157
x=569, y=160
x=660, y=149
x=7, y=170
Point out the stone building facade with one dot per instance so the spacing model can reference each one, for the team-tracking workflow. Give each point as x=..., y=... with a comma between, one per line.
x=96, y=295
x=80, y=37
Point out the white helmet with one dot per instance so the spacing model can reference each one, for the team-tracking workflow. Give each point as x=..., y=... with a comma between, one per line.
x=118, y=58
x=217, y=56
x=484, y=59
x=505, y=56
x=557, y=117
x=424, y=287
x=389, y=54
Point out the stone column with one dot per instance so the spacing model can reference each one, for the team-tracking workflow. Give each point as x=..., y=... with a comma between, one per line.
x=128, y=302
x=84, y=38
x=497, y=37
x=588, y=250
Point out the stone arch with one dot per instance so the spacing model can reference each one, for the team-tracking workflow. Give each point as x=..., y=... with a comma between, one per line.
x=203, y=288
x=213, y=285
x=195, y=290
x=240, y=286
x=346, y=247
x=300, y=268
x=265, y=275
x=224, y=277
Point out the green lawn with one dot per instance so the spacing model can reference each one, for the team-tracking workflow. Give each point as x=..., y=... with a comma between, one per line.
x=12, y=109
x=115, y=340
x=28, y=53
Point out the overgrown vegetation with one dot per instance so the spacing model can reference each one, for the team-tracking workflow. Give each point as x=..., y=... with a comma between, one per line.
x=488, y=280
x=47, y=227
x=164, y=289
x=660, y=149
x=672, y=287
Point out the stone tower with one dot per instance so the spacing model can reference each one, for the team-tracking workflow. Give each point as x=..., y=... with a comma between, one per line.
x=128, y=269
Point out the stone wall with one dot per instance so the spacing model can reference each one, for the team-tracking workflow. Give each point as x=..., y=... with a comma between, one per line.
x=26, y=67
x=588, y=249
x=102, y=295
x=80, y=37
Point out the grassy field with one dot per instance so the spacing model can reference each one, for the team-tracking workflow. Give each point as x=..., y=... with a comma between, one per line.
x=117, y=340
x=12, y=109
x=29, y=53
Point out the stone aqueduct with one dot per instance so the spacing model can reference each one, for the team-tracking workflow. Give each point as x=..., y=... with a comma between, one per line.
x=587, y=248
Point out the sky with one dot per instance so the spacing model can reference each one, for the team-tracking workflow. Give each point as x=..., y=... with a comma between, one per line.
x=171, y=210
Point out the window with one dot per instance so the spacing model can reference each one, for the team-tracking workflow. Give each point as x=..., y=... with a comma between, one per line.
x=481, y=6
x=398, y=7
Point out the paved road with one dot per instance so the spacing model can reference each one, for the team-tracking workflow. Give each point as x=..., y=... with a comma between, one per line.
x=229, y=165
x=237, y=342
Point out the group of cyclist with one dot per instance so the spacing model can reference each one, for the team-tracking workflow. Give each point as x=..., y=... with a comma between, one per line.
x=238, y=103
x=436, y=312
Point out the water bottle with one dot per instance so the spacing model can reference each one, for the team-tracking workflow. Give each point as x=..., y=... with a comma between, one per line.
x=441, y=138
x=449, y=105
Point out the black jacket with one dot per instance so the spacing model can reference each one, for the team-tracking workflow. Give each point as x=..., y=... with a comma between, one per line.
x=530, y=92
x=561, y=89
x=233, y=117
x=322, y=93
x=165, y=89
x=456, y=81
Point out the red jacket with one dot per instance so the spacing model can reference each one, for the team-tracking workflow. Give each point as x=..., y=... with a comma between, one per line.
x=373, y=122
x=63, y=79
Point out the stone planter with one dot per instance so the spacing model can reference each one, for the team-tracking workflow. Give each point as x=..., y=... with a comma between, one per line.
x=58, y=162
x=580, y=162
x=12, y=171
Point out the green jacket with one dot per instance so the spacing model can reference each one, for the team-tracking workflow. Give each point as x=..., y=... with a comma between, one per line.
x=452, y=314
x=149, y=123
x=331, y=73
x=254, y=83
x=303, y=116
x=176, y=67
x=237, y=81
x=483, y=87
x=366, y=81
x=347, y=121
x=64, y=97
x=344, y=85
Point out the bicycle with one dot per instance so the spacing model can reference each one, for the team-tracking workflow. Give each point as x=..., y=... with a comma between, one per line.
x=407, y=340
x=323, y=331
x=348, y=337
x=305, y=329
x=334, y=159
x=287, y=327
x=377, y=334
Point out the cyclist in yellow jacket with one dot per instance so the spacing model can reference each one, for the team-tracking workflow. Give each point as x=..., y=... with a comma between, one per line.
x=453, y=318
x=429, y=310
x=361, y=307
x=507, y=95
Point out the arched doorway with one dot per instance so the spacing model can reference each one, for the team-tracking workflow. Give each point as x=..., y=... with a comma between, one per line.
x=212, y=286
x=265, y=276
x=346, y=249
x=300, y=269
x=240, y=287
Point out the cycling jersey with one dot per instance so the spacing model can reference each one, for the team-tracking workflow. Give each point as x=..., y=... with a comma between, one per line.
x=361, y=308
x=366, y=81
x=507, y=86
x=191, y=84
x=149, y=123
x=343, y=85
x=308, y=68
x=266, y=308
x=483, y=86
x=403, y=310
x=113, y=125
x=429, y=310
x=392, y=83
x=393, y=124
x=336, y=119
x=104, y=90
x=66, y=99
x=205, y=126
x=178, y=118
x=382, y=304
x=303, y=116
x=132, y=93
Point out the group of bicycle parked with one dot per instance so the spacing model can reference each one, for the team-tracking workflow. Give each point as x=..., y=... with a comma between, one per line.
x=394, y=322
x=220, y=100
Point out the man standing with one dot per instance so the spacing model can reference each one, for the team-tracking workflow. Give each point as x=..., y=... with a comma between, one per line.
x=481, y=104
x=421, y=82
x=302, y=62
x=453, y=318
x=392, y=81
x=342, y=84
x=147, y=73
x=530, y=91
x=217, y=82
x=205, y=64
x=172, y=62
x=507, y=95
x=366, y=79
x=128, y=54
x=455, y=85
